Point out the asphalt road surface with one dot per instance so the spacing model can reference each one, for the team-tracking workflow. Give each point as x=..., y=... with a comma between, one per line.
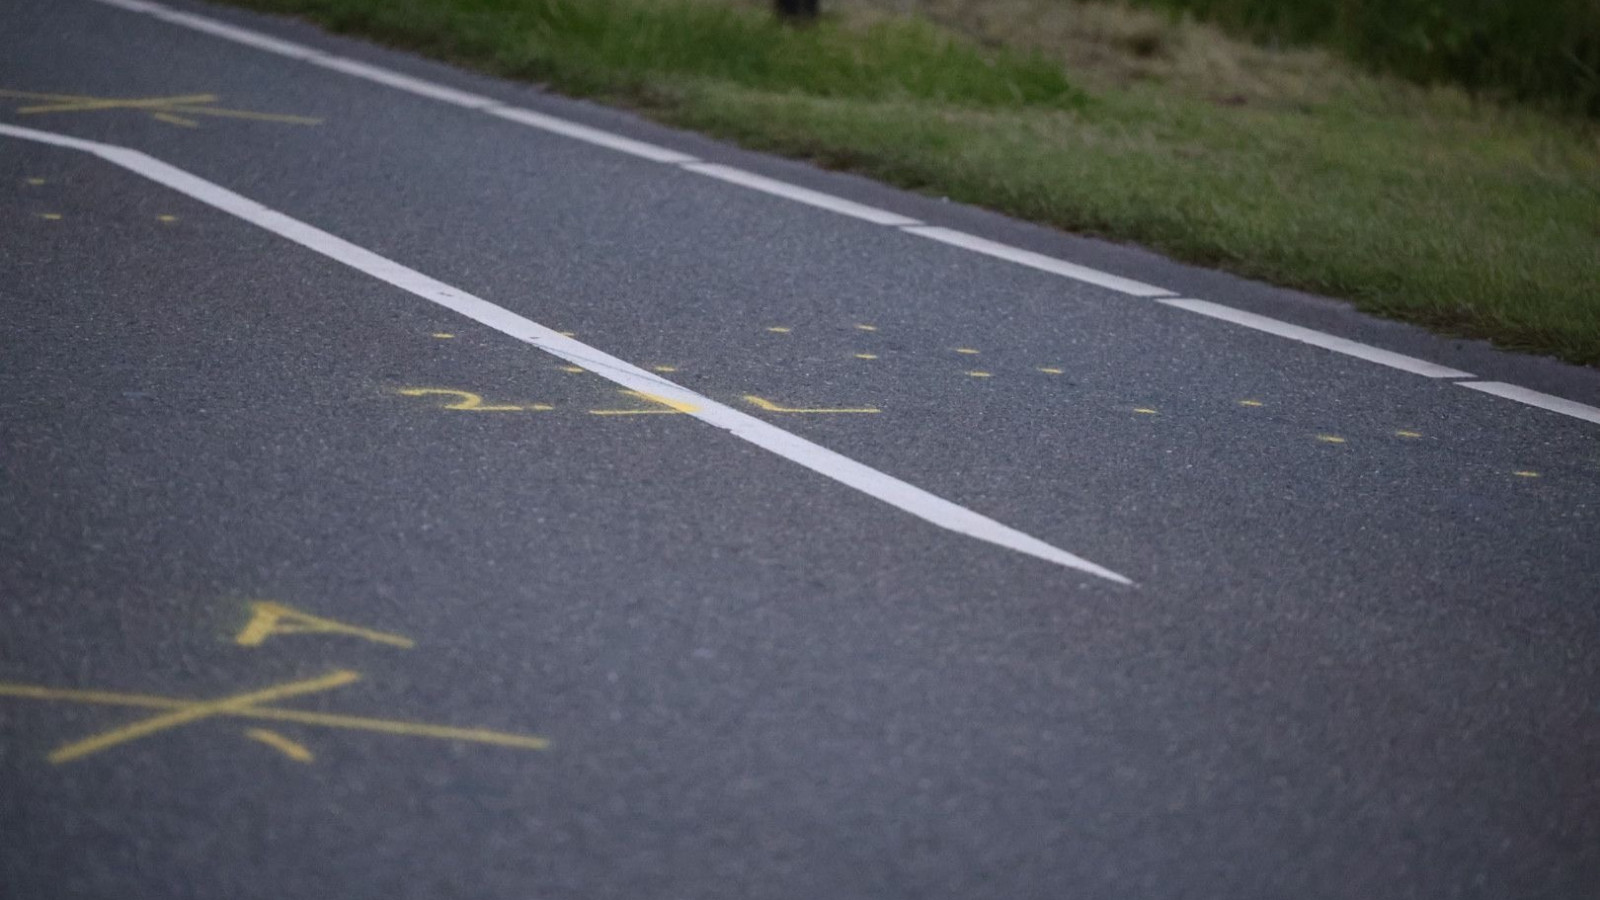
x=408, y=494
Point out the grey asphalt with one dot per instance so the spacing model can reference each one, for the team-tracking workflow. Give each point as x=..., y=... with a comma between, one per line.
x=1363, y=669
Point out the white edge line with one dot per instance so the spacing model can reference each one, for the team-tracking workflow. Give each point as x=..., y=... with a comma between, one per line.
x=1038, y=261
x=644, y=150
x=229, y=32
x=403, y=82
x=1536, y=398
x=1318, y=339
x=802, y=195
x=652, y=152
x=819, y=459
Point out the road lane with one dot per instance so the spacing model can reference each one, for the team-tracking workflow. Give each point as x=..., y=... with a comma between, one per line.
x=1374, y=651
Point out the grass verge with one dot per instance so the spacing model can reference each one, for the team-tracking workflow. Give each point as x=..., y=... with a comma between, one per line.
x=1287, y=166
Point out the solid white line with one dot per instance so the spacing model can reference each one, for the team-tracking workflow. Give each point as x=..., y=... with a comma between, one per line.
x=802, y=195
x=1534, y=398
x=794, y=448
x=404, y=82
x=228, y=32
x=652, y=152
x=1318, y=339
x=1038, y=261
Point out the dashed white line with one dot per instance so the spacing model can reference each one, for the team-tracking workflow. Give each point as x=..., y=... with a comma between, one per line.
x=652, y=152
x=1038, y=261
x=802, y=195
x=1318, y=339
x=403, y=82
x=1535, y=398
x=879, y=485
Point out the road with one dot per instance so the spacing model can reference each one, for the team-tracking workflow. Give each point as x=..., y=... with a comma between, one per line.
x=418, y=485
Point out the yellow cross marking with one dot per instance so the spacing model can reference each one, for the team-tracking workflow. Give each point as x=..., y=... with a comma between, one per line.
x=175, y=110
x=246, y=706
x=769, y=406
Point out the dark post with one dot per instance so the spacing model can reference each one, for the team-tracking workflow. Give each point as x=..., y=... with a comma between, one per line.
x=797, y=10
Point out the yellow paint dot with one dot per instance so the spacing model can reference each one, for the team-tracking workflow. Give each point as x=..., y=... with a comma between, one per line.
x=36, y=181
x=567, y=333
x=1409, y=434
x=572, y=369
x=980, y=374
x=864, y=327
x=1050, y=370
x=664, y=368
x=866, y=356
x=779, y=329
x=1330, y=439
x=1525, y=473
x=1249, y=402
x=1145, y=410
x=967, y=350
x=51, y=216
x=166, y=218
x=443, y=335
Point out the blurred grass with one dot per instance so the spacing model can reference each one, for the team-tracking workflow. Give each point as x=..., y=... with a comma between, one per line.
x=1290, y=166
x=1547, y=49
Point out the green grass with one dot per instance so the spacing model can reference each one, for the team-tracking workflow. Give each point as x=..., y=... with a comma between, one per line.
x=1292, y=167
x=1546, y=49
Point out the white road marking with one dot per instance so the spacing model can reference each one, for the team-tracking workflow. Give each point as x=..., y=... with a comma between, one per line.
x=802, y=195
x=403, y=82
x=1318, y=339
x=238, y=35
x=656, y=153
x=1038, y=261
x=1535, y=398
x=652, y=152
x=819, y=459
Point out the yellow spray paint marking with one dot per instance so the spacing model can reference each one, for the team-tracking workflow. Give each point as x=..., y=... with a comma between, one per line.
x=1145, y=410
x=1249, y=402
x=1330, y=439
x=1050, y=370
x=194, y=712
x=443, y=335
x=166, y=218
x=53, y=217
x=176, y=110
x=866, y=356
x=779, y=329
x=568, y=333
x=967, y=350
x=243, y=707
x=35, y=181
x=471, y=401
x=292, y=749
x=664, y=368
x=1409, y=434
x=1526, y=473
x=864, y=327
x=769, y=406
x=268, y=619
x=981, y=374
x=673, y=408
x=573, y=369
